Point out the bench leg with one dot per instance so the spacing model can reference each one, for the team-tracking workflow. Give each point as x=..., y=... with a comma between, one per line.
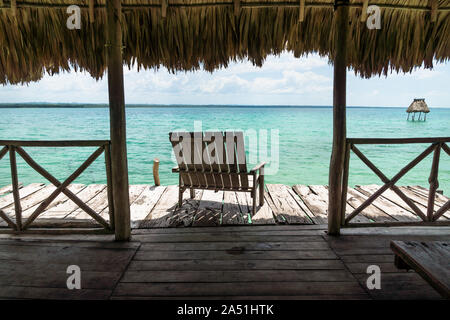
x=253, y=202
x=261, y=190
x=180, y=196
x=192, y=193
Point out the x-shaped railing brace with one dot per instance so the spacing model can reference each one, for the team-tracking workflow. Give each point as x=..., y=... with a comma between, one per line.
x=60, y=187
x=391, y=183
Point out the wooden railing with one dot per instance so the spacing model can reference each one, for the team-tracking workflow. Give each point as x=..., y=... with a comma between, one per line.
x=436, y=145
x=14, y=147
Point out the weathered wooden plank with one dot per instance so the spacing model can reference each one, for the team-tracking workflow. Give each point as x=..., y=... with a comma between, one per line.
x=99, y=203
x=264, y=214
x=430, y=259
x=160, y=215
x=368, y=258
x=185, y=215
x=23, y=192
x=245, y=205
x=31, y=201
x=142, y=205
x=372, y=212
x=400, y=286
x=389, y=207
x=65, y=208
x=304, y=207
x=386, y=195
x=221, y=232
x=231, y=213
x=29, y=277
x=316, y=205
x=243, y=229
x=236, y=253
x=423, y=202
x=389, y=195
x=8, y=189
x=201, y=246
x=237, y=276
x=211, y=237
x=286, y=206
x=75, y=188
x=66, y=254
x=439, y=198
x=80, y=242
x=244, y=288
x=219, y=265
x=361, y=267
x=210, y=209
x=20, y=292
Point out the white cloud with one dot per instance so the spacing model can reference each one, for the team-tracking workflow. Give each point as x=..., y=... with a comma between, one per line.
x=282, y=79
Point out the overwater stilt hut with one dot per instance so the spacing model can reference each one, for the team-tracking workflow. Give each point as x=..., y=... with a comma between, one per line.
x=418, y=106
x=192, y=34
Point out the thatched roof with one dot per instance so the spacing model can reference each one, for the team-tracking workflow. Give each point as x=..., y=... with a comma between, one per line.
x=207, y=34
x=418, y=105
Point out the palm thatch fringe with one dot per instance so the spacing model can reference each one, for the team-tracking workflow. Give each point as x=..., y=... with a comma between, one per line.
x=37, y=40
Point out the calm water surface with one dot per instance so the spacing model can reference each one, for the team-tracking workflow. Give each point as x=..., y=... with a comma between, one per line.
x=304, y=142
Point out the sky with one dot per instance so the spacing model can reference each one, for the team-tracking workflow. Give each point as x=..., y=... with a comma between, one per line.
x=283, y=80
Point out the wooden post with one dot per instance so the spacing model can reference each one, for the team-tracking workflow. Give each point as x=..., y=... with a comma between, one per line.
x=119, y=166
x=15, y=185
x=339, y=118
x=433, y=180
x=345, y=182
x=156, y=171
x=109, y=185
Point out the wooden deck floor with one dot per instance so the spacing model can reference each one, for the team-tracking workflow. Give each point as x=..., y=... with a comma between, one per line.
x=240, y=262
x=153, y=207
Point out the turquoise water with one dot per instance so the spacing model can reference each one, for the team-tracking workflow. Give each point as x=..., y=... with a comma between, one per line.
x=304, y=140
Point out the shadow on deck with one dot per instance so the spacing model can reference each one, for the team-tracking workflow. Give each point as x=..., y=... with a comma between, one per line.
x=156, y=207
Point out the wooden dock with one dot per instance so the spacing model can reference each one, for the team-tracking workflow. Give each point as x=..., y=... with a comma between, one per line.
x=156, y=207
x=231, y=262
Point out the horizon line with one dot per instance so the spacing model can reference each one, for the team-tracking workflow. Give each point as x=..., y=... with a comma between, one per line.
x=43, y=105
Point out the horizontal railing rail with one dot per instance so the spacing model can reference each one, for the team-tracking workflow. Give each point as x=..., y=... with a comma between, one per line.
x=14, y=147
x=435, y=147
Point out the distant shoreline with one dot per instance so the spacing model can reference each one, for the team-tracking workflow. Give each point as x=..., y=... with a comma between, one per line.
x=97, y=106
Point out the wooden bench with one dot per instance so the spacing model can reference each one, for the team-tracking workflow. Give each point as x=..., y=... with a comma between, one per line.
x=215, y=161
x=429, y=259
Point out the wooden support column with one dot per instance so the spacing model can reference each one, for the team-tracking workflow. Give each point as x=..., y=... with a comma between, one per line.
x=119, y=166
x=339, y=118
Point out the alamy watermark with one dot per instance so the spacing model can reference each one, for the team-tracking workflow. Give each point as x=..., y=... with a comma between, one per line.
x=373, y=17
x=74, y=280
x=74, y=19
x=374, y=280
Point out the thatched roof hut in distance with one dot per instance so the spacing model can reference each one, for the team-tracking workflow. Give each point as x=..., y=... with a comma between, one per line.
x=420, y=106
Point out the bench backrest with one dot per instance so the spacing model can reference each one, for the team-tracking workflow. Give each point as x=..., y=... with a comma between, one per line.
x=211, y=152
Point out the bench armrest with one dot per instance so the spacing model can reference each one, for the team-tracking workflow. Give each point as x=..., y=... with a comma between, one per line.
x=258, y=167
